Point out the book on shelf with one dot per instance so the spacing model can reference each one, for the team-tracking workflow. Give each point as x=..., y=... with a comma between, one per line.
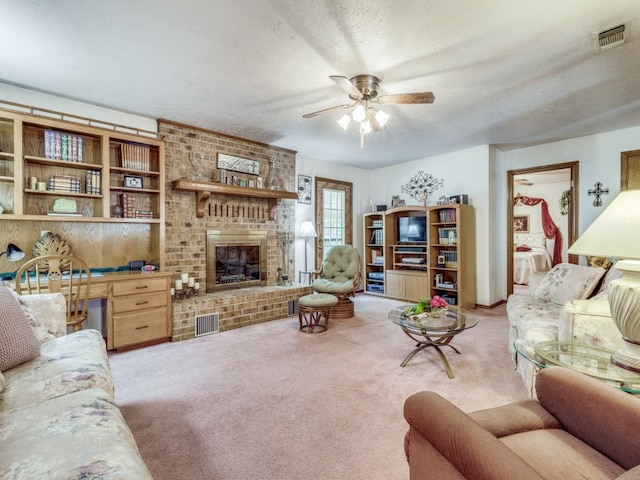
x=93, y=182
x=64, y=183
x=135, y=157
x=63, y=146
x=447, y=215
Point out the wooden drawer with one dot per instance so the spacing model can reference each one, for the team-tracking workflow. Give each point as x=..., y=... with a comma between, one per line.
x=139, y=302
x=139, y=285
x=139, y=327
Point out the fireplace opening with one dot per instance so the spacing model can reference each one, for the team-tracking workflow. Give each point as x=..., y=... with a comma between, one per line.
x=236, y=259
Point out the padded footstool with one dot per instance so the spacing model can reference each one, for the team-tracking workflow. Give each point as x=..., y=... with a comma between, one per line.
x=313, y=309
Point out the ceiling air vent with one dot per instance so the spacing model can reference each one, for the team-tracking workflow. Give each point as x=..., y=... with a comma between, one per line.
x=611, y=38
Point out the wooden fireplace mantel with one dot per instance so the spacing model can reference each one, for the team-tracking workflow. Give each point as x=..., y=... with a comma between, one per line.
x=204, y=190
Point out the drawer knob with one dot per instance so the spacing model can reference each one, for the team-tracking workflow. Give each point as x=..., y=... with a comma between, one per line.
x=142, y=328
x=142, y=303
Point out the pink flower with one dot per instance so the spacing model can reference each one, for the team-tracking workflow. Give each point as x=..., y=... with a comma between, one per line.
x=438, y=302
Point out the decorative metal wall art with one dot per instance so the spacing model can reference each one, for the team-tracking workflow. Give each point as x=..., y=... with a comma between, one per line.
x=421, y=186
x=237, y=164
x=304, y=189
x=598, y=192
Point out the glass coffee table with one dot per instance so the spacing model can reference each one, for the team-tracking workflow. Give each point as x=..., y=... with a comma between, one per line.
x=428, y=331
x=588, y=359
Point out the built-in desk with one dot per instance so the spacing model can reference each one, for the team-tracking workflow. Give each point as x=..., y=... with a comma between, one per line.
x=138, y=306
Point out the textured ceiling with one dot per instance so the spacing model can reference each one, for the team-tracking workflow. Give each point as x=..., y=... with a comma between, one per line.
x=503, y=72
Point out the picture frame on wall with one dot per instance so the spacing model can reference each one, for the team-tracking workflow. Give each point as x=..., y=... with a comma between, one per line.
x=521, y=223
x=304, y=189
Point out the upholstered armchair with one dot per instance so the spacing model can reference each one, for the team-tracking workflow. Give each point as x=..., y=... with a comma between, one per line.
x=578, y=428
x=340, y=275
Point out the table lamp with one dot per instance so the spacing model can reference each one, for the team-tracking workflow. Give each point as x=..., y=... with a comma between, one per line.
x=307, y=230
x=13, y=253
x=615, y=234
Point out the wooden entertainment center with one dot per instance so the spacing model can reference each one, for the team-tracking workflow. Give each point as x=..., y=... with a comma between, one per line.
x=439, y=260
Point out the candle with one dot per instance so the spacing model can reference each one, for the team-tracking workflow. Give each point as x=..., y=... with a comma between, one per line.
x=191, y=282
x=196, y=285
x=178, y=284
x=185, y=277
x=173, y=291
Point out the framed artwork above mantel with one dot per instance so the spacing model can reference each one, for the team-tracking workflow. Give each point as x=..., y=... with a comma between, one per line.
x=238, y=164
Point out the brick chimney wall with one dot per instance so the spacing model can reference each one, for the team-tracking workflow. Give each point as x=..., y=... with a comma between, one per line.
x=191, y=152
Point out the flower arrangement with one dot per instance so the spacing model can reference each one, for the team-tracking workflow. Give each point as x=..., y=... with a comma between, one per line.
x=433, y=306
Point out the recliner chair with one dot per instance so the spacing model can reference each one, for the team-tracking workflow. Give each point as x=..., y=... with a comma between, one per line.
x=340, y=275
x=578, y=428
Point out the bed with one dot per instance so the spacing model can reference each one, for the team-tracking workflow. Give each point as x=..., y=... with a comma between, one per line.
x=530, y=256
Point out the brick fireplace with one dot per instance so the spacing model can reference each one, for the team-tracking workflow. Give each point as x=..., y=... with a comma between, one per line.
x=191, y=153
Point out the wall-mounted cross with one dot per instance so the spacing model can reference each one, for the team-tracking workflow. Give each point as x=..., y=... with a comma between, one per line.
x=598, y=192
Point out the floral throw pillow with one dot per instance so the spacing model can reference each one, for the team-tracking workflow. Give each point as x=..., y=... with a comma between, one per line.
x=567, y=281
x=18, y=342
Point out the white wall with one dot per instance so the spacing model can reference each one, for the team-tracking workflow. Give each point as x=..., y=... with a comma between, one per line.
x=361, y=179
x=49, y=102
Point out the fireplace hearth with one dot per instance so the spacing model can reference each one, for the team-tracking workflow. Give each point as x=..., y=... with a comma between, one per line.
x=236, y=259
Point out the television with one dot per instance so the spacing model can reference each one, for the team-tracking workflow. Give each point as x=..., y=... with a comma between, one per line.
x=412, y=229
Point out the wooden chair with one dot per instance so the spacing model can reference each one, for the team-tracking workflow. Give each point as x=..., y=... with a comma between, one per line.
x=58, y=273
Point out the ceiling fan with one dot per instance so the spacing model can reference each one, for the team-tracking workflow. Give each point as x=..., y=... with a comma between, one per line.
x=363, y=90
x=523, y=181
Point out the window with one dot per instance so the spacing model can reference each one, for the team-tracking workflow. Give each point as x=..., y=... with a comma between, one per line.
x=333, y=215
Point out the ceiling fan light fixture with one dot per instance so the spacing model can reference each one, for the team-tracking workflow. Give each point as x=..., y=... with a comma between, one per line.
x=365, y=127
x=359, y=113
x=344, y=121
x=382, y=118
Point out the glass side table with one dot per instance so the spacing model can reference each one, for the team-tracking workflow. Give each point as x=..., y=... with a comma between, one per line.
x=588, y=359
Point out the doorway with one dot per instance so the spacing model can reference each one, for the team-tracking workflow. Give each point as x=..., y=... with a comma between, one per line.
x=523, y=182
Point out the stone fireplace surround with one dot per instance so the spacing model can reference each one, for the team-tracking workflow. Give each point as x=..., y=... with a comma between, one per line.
x=186, y=234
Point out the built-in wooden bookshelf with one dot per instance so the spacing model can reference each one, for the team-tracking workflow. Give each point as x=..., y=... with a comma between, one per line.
x=68, y=177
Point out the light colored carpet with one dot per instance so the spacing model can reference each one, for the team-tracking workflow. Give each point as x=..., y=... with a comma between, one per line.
x=268, y=402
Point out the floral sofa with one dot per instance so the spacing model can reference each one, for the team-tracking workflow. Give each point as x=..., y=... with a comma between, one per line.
x=567, y=303
x=58, y=418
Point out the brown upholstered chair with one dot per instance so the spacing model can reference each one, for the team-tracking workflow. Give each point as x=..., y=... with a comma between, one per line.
x=340, y=275
x=58, y=273
x=579, y=428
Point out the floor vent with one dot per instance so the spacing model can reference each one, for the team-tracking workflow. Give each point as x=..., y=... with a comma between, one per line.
x=292, y=307
x=207, y=324
x=611, y=38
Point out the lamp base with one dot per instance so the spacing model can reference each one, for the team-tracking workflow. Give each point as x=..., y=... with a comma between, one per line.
x=624, y=301
x=628, y=357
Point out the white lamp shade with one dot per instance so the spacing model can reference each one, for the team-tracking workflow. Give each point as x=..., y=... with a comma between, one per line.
x=616, y=232
x=307, y=229
x=365, y=127
x=359, y=113
x=344, y=121
x=382, y=118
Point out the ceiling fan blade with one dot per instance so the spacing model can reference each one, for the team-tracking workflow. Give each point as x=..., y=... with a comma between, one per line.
x=423, y=97
x=326, y=110
x=345, y=84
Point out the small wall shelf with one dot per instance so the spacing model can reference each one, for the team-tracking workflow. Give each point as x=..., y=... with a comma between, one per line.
x=204, y=190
